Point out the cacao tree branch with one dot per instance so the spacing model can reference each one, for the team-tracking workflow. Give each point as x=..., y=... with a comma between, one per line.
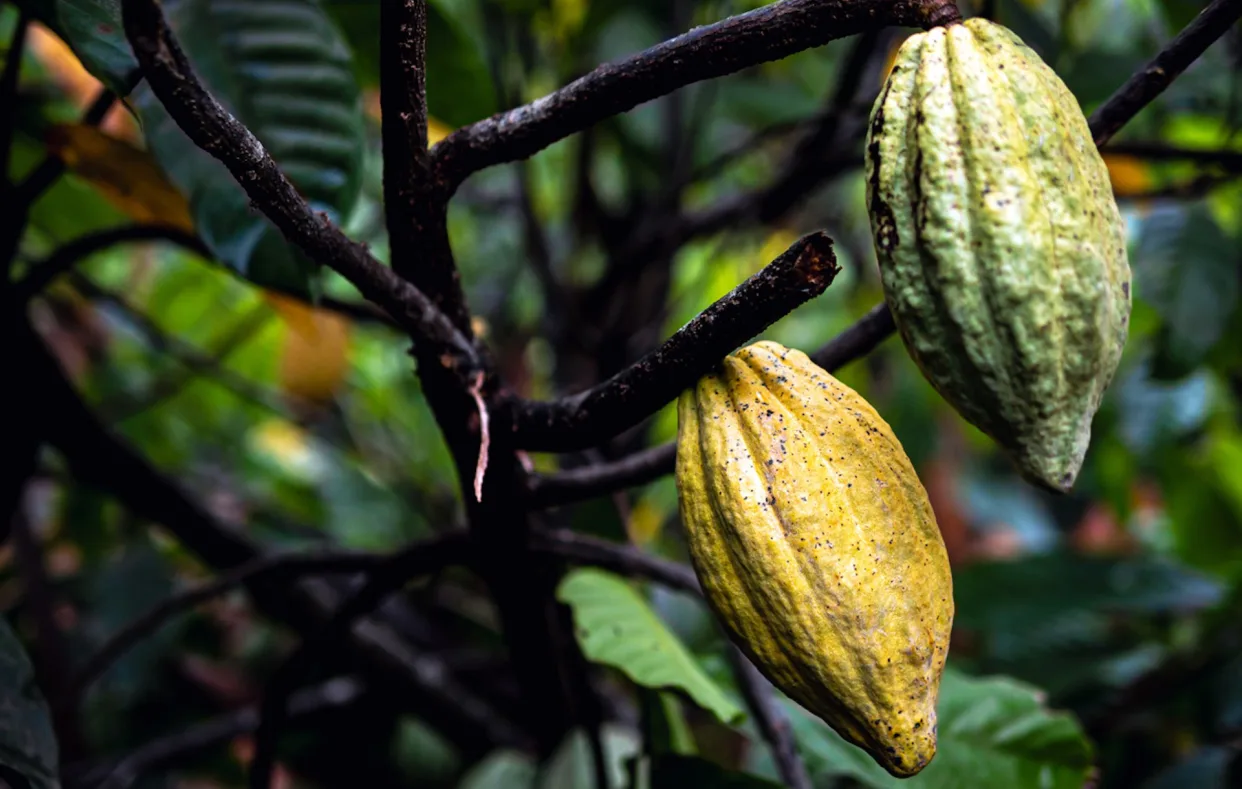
x=802, y=272
x=391, y=574
x=600, y=479
x=622, y=559
x=68, y=255
x=771, y=721
x=769, y=33
x=415, y=216
x=1150, y=81
x=124, y=771
x=213, y=129
x=64, y=258
x=284, y=568
x=1227, y=159
x=639, y=468
x=95, y=456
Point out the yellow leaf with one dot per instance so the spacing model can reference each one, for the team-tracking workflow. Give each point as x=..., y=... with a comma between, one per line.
x=646, y=521
x=436, y=131
x=1130, y=176
x=71, y=77
x=314, y=356
x=127, y=176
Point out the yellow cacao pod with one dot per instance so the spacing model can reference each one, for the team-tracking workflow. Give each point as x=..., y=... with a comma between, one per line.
x=817, y=548
x=1001, y=249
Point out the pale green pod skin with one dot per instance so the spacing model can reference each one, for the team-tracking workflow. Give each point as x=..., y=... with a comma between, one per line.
x=817, y=548
x=1002, y=251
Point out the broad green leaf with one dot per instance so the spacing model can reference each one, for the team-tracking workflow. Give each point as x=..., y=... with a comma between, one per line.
x=1186, y=269
x=671, y=771
x=994, y=730
x=573, y=765
x=501, y=770
x=27, y=741
x=93, y=29
x=616, y=627
x=283, y=69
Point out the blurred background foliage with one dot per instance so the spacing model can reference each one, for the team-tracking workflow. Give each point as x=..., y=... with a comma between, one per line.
x=1117, y=606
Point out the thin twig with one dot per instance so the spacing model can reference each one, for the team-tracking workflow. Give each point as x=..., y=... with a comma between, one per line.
x=801, y=273
x=50, y=652
x=419, y=558
x=46, y=172
x=97, y=457
x=600, y=479
x=1150, y=81
x=188, y=355
x=1228, y=159
x=122, y=772
x=217, y=132
x=68, y=255
x=264, y=568
x=769, y=33
x=624, y=559
x=772, y=723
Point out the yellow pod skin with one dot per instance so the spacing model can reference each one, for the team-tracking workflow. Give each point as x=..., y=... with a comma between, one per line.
x=1001, y=248
x=817, y=547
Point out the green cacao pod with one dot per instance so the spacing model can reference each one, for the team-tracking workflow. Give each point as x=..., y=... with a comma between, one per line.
x=817, y=548
x=1001, y=249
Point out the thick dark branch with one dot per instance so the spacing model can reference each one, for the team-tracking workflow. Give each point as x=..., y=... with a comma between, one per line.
x=623, y=559
x=414, y=213
x=769, y=33
x=1149, y=82
x=650, y=464
x=124, y=771
x=213, y=129
x=803, y=272
x=266, y=568
x=771, y=721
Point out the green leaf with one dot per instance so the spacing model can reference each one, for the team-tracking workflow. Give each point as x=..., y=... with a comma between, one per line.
x=1185, y=269
x=664, y=727
x=459, y=88
x=93, y=30
x=671, y=771
x=994, y=730
x=282, y=68
x=27, y=741
x=616, y=627
x=573, y=766
x=501, y=770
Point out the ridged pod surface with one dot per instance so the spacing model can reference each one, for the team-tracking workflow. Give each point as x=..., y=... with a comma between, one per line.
x=817, y=548
x=1002, y=252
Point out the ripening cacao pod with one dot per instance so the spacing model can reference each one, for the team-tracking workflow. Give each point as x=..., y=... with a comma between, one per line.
x=1001, y=249
x=817, y=548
